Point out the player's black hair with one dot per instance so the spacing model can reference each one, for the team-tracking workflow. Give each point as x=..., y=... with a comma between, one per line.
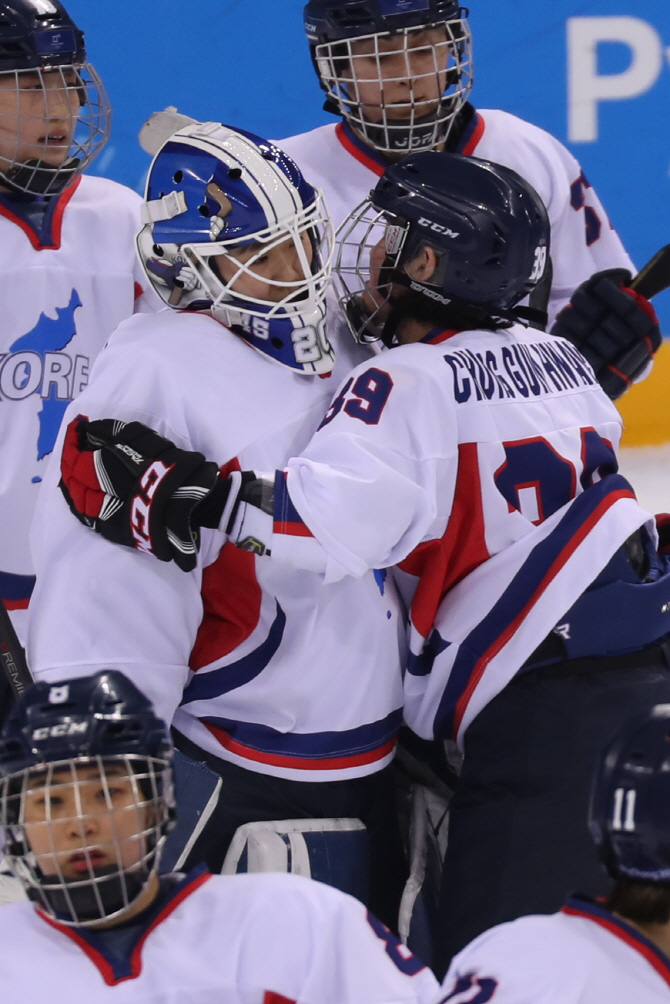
x=640, y=902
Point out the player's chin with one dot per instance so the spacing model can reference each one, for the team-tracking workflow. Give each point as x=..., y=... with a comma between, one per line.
x=51, y=157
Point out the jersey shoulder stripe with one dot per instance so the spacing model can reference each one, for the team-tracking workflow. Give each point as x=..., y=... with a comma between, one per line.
x=308, y=751
x=359, y=150
x=475, y=652
x=578, y=906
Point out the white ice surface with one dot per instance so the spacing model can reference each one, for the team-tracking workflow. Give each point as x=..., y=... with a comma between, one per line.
x=648, y=470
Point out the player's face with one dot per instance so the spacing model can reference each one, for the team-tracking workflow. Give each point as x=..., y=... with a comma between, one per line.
x=395, y=77
x=273, y=273
x=38, y=116
x=84, y=819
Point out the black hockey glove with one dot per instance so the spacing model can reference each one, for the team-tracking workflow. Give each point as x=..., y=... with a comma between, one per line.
x=614, y=327
x=137, y=489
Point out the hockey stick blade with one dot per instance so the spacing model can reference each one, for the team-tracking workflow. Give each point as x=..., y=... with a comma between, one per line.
x=12, y=656
x=654, y=277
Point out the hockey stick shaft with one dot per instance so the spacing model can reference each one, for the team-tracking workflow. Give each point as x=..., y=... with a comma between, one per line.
x=654, y=277
x=12, y=656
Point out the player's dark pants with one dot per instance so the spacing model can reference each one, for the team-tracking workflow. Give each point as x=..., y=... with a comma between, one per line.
x=518, y=836
x=247, y=796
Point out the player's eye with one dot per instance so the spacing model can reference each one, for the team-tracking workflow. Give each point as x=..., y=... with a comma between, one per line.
x=53, y=801
x=112, y=790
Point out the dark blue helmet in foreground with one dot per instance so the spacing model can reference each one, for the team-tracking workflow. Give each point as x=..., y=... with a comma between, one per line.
x=630, y=804
x=38, y=34
x=102, y=715
x=398, y=71
x=86, y=795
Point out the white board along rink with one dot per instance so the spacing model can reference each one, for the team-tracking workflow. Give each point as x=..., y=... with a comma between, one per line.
x=648, y=470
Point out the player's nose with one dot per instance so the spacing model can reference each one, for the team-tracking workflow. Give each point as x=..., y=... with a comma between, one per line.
x=58, y=102
x=79, y=827
x=291, y=268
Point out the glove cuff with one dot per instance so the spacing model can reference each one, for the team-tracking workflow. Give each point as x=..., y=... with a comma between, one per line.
x=210, y=511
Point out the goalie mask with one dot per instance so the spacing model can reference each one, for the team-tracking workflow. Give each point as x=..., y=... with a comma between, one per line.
x=86, y=796
x=54, y=112
x=232, y=227
x=398, y=71
x=486, y=226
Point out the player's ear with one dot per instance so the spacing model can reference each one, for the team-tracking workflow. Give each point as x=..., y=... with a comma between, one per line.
x=422, y=268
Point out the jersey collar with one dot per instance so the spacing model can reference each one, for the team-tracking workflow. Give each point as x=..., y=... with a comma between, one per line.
x=377, y=163
x=364, y=154
x=581, y=906
x=115, y=969
x=472, y=134
x=438, y=335
x=48, y=236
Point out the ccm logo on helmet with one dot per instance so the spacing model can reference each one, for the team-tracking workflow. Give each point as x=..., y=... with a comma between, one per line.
x=58, y=731
x=140, y=507
x=437, y=227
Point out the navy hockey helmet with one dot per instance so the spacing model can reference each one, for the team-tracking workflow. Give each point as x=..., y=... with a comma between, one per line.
x=629, y=817
x=54, y=112
x=398, y=71
x=38, y=33
x=487, y=226
x=86, y=795
x=218, y=202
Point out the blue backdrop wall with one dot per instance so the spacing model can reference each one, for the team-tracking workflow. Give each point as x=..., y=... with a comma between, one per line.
x=596, y=74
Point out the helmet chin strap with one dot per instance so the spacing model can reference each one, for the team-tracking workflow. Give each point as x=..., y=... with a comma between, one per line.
x=40, y=177
x=78, y=903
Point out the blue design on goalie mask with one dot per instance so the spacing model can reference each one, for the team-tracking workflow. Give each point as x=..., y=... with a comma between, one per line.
x=213, y=191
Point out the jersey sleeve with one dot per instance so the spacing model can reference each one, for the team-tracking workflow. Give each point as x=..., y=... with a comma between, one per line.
x=378, y=476
x=96, y=605
x=583, y=240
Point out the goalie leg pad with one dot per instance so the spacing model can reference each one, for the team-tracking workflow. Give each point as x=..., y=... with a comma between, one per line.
x=333, y=851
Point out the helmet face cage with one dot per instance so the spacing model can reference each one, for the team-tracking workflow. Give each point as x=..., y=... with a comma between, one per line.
x=282, y=317
x=53, y=122
x=84, y=835
x=431, y=64
x=368, y=244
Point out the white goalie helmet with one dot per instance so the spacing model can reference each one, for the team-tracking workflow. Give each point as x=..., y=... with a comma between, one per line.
x=54, y=112
x=232, y=227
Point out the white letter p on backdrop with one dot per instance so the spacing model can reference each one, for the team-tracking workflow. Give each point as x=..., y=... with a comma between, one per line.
x=586, y=88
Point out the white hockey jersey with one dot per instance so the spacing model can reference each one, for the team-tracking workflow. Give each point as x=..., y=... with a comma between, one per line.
x=258, y=663
x=63, y=289
x=243, y=939
x=582, y=955
x=483, y=463
x=582, y=239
